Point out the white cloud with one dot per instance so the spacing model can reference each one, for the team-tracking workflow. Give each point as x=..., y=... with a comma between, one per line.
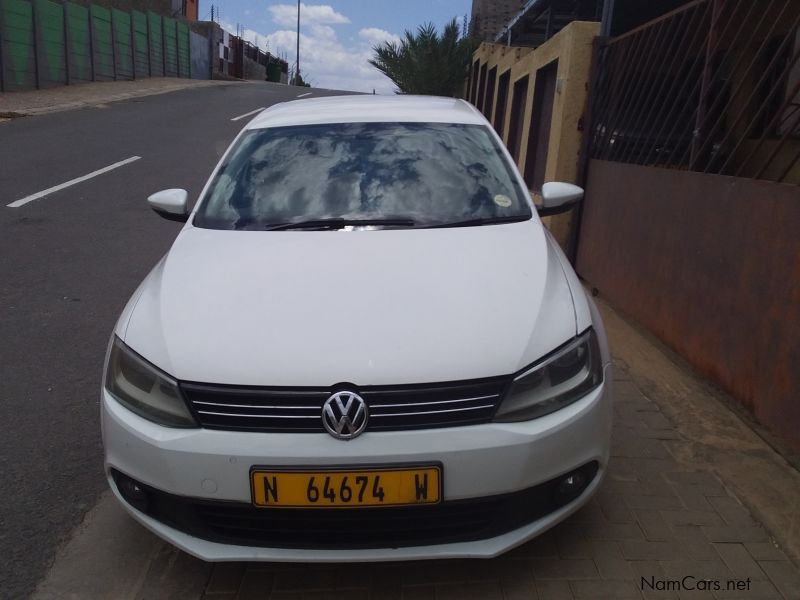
x=285, y=15
x=374, y=36
x=322, y=32
x=325, y=61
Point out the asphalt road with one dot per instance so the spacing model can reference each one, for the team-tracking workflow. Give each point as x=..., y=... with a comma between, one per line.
x=68, y=263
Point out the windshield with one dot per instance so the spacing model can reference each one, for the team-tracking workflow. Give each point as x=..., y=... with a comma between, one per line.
x=424, y=174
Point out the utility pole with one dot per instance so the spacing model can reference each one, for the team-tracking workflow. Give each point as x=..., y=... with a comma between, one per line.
x=297, y=70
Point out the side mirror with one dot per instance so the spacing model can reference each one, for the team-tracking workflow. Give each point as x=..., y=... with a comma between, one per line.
x=558, y=197
x=171, y=204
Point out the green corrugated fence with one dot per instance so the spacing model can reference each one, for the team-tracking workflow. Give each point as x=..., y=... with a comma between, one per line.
x=79, y=58
x=273, y=72
x=184, y=51
x=155, y=31
x=19, y=62
x=140, y=44
x=52, y=49
x=45, y=43
x=102, y=47
x=170, y=48
x=123, y=56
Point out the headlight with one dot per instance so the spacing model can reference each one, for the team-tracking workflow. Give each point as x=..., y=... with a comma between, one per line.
x=145, y=390
x=559, y=379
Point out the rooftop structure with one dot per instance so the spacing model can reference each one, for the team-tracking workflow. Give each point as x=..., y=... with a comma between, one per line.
x=489, y=17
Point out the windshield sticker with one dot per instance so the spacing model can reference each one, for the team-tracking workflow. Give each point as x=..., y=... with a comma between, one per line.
x=502, y=201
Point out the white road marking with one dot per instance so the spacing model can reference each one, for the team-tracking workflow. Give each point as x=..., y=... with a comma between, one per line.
x=252, y=112
x=42, y=194
x=306, y=94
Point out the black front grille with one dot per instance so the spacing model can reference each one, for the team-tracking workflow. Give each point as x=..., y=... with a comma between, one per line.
x=299, y=410
x=350, y=528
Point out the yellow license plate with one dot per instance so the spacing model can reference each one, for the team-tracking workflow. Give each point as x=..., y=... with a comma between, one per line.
x=346, y=487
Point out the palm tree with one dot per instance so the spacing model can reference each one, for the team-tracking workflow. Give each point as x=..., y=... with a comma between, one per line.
x=425, y=62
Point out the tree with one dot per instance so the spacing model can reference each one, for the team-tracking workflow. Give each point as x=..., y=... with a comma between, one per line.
x=426, y=62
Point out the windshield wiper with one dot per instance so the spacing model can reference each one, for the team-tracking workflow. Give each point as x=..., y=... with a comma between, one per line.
x=339, y=223
x=481, y=221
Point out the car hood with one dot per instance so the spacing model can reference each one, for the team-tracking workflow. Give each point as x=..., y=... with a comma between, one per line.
x=311, y=308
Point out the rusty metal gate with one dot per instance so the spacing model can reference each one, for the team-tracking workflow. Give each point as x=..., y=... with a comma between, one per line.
x=690, y=219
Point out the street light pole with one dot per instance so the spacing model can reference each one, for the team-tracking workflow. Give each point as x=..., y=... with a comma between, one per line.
x=297, y=68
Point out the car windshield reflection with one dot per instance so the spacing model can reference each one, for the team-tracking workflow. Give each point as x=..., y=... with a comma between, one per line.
x=427, y=173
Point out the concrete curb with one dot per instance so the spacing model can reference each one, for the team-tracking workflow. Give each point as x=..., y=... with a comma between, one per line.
x=112, y=556
x=102, y=99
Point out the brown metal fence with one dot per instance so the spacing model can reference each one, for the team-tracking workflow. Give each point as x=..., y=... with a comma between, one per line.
x=712, y=87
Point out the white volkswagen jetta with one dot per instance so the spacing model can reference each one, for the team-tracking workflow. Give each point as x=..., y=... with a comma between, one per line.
x=363, y=345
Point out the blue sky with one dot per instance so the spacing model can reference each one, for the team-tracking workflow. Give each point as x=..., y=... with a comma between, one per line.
x=336, y=36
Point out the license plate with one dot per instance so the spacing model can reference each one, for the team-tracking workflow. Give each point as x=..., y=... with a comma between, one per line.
x=342, y=488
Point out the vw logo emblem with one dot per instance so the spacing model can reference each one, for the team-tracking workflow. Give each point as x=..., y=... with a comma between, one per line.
x=345, y=415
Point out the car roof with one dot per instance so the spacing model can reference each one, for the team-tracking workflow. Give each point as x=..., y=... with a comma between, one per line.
x=368, y=109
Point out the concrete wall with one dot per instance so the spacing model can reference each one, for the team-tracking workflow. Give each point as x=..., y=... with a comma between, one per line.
x=220, y=57
x=572, y=48
x=201, y=54
x=253, y=70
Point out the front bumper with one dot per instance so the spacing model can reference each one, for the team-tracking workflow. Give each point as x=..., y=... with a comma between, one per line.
x=478, y=461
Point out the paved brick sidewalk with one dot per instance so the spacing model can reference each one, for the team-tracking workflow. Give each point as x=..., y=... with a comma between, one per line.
x=653, y=518
x=68, y=97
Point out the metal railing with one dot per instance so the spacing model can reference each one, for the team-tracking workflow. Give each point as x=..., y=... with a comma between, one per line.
x=712, y=87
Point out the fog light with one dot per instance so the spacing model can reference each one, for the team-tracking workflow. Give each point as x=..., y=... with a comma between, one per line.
x=134, y=494
x=573, y=484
